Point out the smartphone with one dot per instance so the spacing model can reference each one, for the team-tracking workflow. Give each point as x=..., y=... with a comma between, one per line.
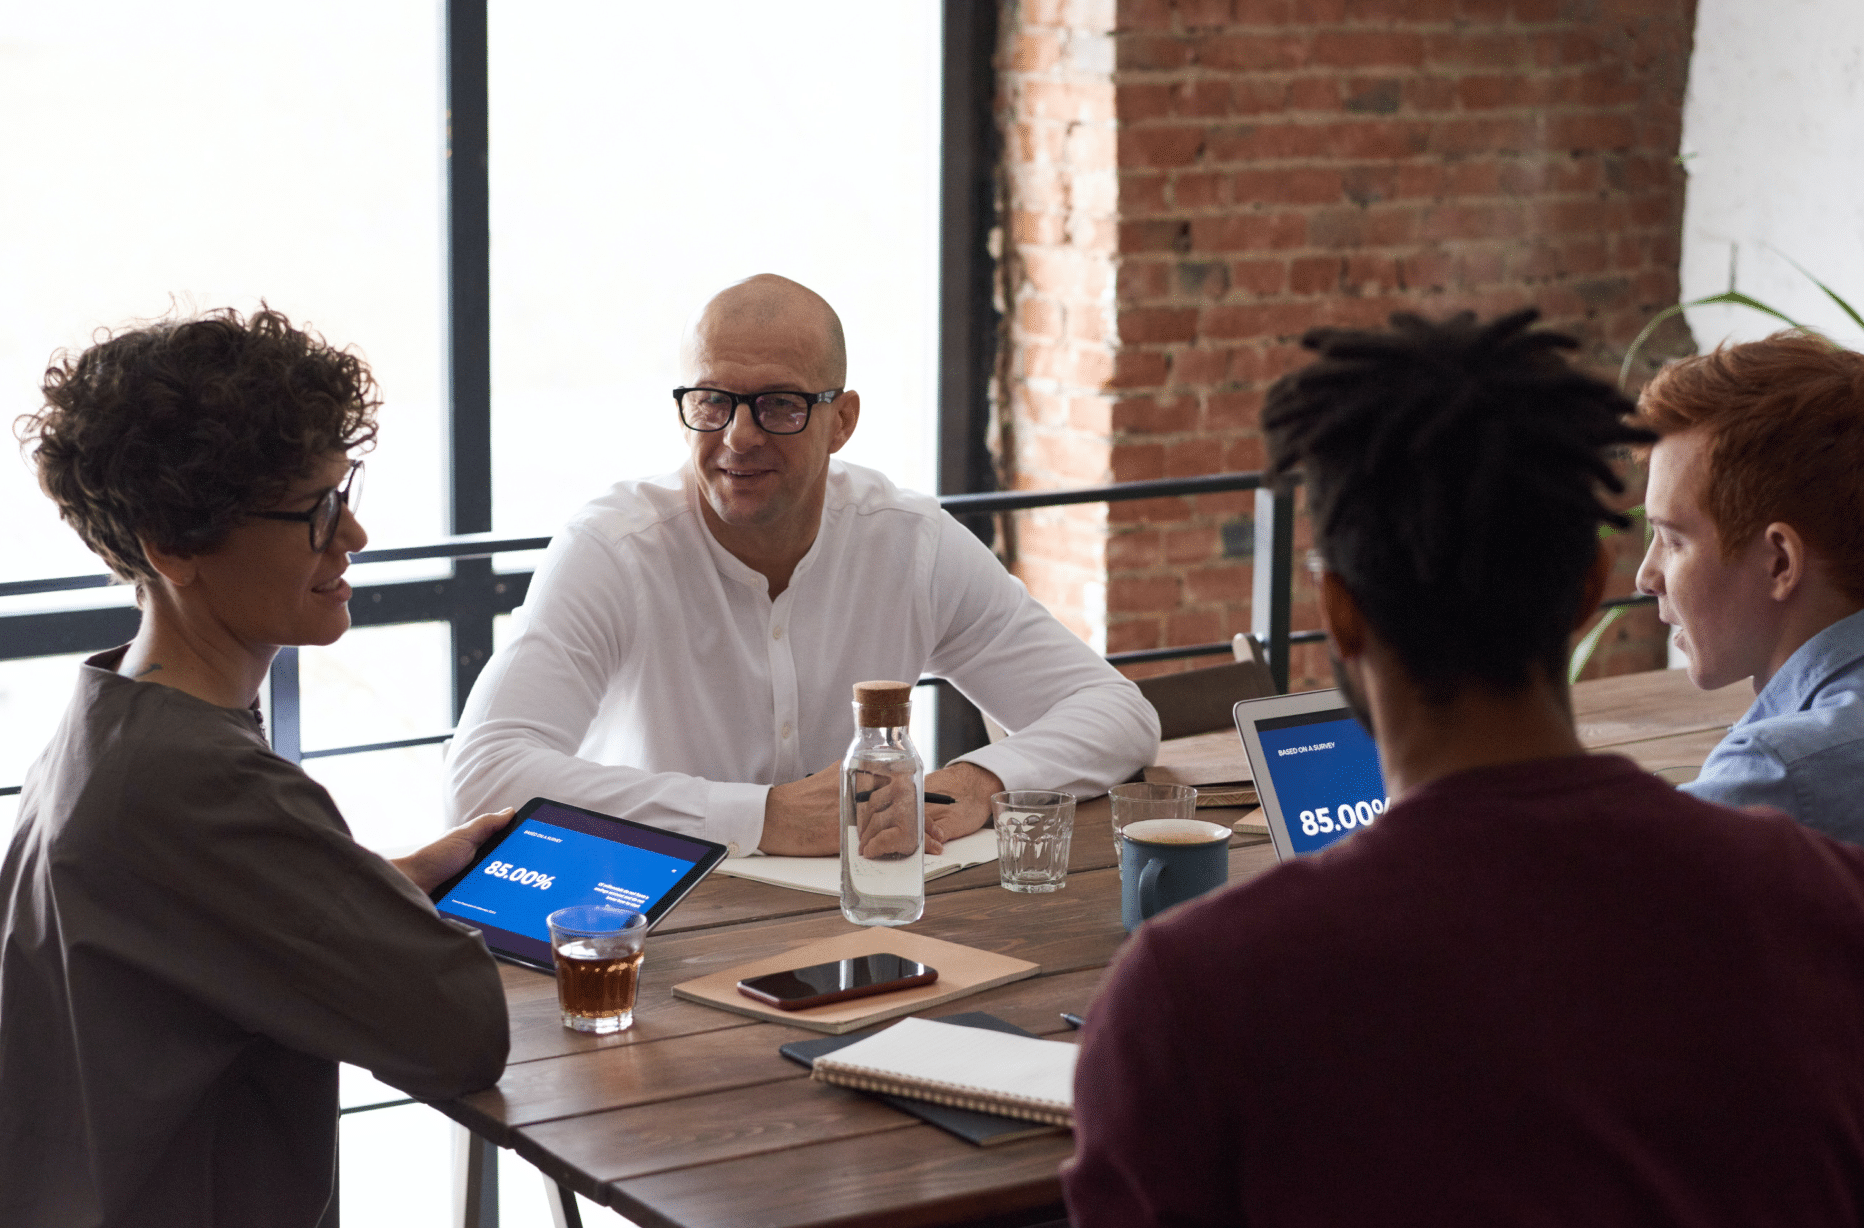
x=819, y=984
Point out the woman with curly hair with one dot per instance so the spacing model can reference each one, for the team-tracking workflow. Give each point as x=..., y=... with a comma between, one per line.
x=190, y=941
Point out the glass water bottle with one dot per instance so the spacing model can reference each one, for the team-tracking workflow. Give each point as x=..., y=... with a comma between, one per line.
x=883, y=811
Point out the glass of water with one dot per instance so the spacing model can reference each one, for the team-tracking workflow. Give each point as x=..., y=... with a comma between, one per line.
x=1034, y=827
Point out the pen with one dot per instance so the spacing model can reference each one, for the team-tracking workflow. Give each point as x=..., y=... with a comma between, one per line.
x=937, y=799
x=1073, y=1021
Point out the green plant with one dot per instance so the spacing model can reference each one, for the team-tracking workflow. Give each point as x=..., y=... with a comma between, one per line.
x=1732, y=297
x=1582, y=651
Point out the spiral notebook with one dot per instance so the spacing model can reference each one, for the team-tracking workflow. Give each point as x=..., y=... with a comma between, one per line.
x=968, y=1068
x=980, y=1129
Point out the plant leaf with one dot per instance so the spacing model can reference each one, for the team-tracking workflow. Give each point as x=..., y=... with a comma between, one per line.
x=1582, y=653
x=1727, y=298
x=1829, y=292
x=1636, y=514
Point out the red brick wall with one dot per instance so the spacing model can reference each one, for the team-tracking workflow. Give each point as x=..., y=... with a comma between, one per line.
x=1283, y=164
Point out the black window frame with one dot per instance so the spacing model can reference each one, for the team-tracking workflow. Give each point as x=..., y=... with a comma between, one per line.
x=471, y=597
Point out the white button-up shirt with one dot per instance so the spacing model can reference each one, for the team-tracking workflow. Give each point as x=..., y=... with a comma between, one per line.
x=652, y=676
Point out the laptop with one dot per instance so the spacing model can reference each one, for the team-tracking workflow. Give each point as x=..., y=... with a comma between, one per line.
x=1316, y=769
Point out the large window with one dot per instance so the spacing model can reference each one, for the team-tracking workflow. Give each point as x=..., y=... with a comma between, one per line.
x=209, y=153
x=200, y=154
x=644, y=156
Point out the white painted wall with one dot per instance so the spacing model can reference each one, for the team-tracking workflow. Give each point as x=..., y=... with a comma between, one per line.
x=1773, y=137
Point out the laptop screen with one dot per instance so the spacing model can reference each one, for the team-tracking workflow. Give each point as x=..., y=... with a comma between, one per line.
x=1325, y=771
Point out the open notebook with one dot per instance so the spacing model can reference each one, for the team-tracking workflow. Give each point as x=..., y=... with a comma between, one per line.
x=822, y=875
x=968, y=1068
x=980, y=1129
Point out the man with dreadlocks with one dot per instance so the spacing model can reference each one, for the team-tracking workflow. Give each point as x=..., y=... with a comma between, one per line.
x=1545, y=988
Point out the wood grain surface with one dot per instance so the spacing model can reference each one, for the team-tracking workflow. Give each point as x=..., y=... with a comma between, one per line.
x=1636, y=707
x=631, y=1142
x=1666, y=755
x=692, y=1119
x=901, y=1179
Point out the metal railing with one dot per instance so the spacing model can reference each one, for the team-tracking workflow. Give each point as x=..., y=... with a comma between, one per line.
x=474, y=594
x=470, y=598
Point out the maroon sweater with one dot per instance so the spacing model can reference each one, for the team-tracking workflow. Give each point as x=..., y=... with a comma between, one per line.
x=1551, y=993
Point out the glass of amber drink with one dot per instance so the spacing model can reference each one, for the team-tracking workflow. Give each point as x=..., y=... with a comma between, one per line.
x=597, y=951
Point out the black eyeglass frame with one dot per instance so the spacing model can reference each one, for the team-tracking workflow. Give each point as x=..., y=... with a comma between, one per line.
x=757, y=415
x=329, y=509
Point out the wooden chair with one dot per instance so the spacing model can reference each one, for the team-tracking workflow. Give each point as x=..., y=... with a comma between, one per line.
x=1199, y=700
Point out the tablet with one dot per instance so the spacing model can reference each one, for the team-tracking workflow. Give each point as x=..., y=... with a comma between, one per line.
x=1316, y=769
x=553, y=855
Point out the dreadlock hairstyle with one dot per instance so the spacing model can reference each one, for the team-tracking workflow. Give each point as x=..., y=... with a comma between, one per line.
x=1453, y=474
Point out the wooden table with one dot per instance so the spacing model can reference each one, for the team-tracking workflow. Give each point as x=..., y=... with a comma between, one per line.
x=691, y=1119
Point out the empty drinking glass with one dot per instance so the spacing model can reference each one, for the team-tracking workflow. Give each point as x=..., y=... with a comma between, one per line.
x=1143, y=800
x=1034, y=827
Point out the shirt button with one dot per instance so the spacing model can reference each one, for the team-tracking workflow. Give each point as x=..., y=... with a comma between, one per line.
x=786, y=729
x=731, y=850
x=776, y=633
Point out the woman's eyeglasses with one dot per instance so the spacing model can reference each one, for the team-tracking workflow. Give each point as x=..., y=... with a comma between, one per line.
x=329, y=510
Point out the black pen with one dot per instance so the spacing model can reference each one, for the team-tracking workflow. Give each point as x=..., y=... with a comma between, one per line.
x=1073, y=1021
x=937, y=799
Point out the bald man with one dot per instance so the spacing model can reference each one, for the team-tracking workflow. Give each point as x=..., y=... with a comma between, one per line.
x=687, y=650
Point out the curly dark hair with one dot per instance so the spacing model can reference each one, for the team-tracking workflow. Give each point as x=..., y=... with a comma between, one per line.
x=1454, y=471
x=176, y=431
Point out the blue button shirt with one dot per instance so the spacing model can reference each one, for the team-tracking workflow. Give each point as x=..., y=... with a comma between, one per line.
x=1800, y=748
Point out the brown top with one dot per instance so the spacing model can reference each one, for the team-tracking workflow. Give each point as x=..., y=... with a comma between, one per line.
x=883, y=704
x=189, y=943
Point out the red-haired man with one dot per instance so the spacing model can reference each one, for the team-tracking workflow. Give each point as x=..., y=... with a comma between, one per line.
x=1756, y=505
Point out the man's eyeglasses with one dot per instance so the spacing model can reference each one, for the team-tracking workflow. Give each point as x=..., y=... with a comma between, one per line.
x=329, y=510
x=776, y=413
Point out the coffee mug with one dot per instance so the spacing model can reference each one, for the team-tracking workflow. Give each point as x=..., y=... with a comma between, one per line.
x=1168, y=861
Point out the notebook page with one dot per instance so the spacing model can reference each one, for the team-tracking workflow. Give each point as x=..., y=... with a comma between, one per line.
x=924, y=1051
x=822, y=875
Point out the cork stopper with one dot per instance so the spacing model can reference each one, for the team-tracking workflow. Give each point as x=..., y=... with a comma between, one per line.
x=882, y=704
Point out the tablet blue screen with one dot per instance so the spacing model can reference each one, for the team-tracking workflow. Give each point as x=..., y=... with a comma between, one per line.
x=546, y=863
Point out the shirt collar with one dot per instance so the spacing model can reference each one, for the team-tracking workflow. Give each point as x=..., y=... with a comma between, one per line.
x=1814, y=663
x=730, y=565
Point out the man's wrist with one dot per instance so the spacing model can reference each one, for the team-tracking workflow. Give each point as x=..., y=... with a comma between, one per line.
x=970, y=787
x=968, y=780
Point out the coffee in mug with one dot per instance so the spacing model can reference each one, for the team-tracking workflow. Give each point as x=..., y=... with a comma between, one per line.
x=1176, y=831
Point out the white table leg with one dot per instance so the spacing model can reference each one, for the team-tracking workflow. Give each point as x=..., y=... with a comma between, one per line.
x=475, y=1180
